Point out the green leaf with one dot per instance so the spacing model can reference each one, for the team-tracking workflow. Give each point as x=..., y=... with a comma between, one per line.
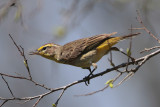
x=110, y=83
x=128, y=52
x=53, y=105
x=25, y=63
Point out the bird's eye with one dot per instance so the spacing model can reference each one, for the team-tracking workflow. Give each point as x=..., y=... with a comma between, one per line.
x=44, y=48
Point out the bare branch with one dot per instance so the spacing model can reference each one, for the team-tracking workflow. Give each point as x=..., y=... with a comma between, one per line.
x=149, y=49
x=21, y=77
x=136, y=28
x=7, y=86
x=129, y=49
x=94, y=92
x=12, y=76
x=3, y=103
x=60, y=96
x=141, y=61
x=130, y=72
x=21, y=50
x=37, y=101
x=141, y=22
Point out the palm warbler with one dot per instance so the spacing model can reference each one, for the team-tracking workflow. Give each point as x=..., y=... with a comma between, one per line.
x=83, y=52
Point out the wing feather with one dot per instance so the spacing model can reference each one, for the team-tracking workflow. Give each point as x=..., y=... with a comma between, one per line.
x=76, y=48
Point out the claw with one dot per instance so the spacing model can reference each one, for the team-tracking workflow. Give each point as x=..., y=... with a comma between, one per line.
x=86, y=79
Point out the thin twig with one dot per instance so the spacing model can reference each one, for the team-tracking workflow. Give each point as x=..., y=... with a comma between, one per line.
x=111, y=61
x=130, y=74
x=129, y=50
x=141, y=22
x=26, y=63
x=60, y=96
x=149, y=49
x=21, y=50
x=7, y=86
x=3, y=103
x=21, y=77
x=37, y=101
x=142, y=60
x=100, y=90
x=136, y=28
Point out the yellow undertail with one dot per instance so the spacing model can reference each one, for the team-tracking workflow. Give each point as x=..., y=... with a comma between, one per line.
x=105, y=46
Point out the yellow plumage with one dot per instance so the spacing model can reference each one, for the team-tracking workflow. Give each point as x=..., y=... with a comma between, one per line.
x=83, y=52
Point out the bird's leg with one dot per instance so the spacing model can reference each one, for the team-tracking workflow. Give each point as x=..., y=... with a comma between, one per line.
x=116, y=49
x=91, y=73
x=94, y=68
x=86, y=79
x=89, y=69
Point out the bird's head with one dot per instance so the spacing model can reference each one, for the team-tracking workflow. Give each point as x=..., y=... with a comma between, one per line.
x=48, y=51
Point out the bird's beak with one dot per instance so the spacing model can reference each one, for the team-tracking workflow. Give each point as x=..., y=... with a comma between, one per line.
x=34, y=52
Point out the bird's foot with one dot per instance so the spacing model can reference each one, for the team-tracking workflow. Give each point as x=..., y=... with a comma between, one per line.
x=87, y=79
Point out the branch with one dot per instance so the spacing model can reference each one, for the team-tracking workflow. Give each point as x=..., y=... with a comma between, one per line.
x=7, y=85
x=131, y=72
x=3, y=103
x=40, y=97
x=21, y=50
x=141, y=22
x=149, y=49
x=141, y=61
x=137, y=62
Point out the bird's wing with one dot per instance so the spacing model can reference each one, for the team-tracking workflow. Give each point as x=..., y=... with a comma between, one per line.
x=76, y=48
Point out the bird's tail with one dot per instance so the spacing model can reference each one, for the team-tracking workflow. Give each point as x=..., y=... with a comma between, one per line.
x=112, y=41
x=128, y=36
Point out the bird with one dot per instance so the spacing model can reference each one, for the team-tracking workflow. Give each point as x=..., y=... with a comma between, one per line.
x=84, y=53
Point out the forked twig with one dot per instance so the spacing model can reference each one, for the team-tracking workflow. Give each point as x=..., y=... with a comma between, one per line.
x=7, y=85
x=141, y=22
x=138, y=63
x=21, y=50
x=149, y=49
